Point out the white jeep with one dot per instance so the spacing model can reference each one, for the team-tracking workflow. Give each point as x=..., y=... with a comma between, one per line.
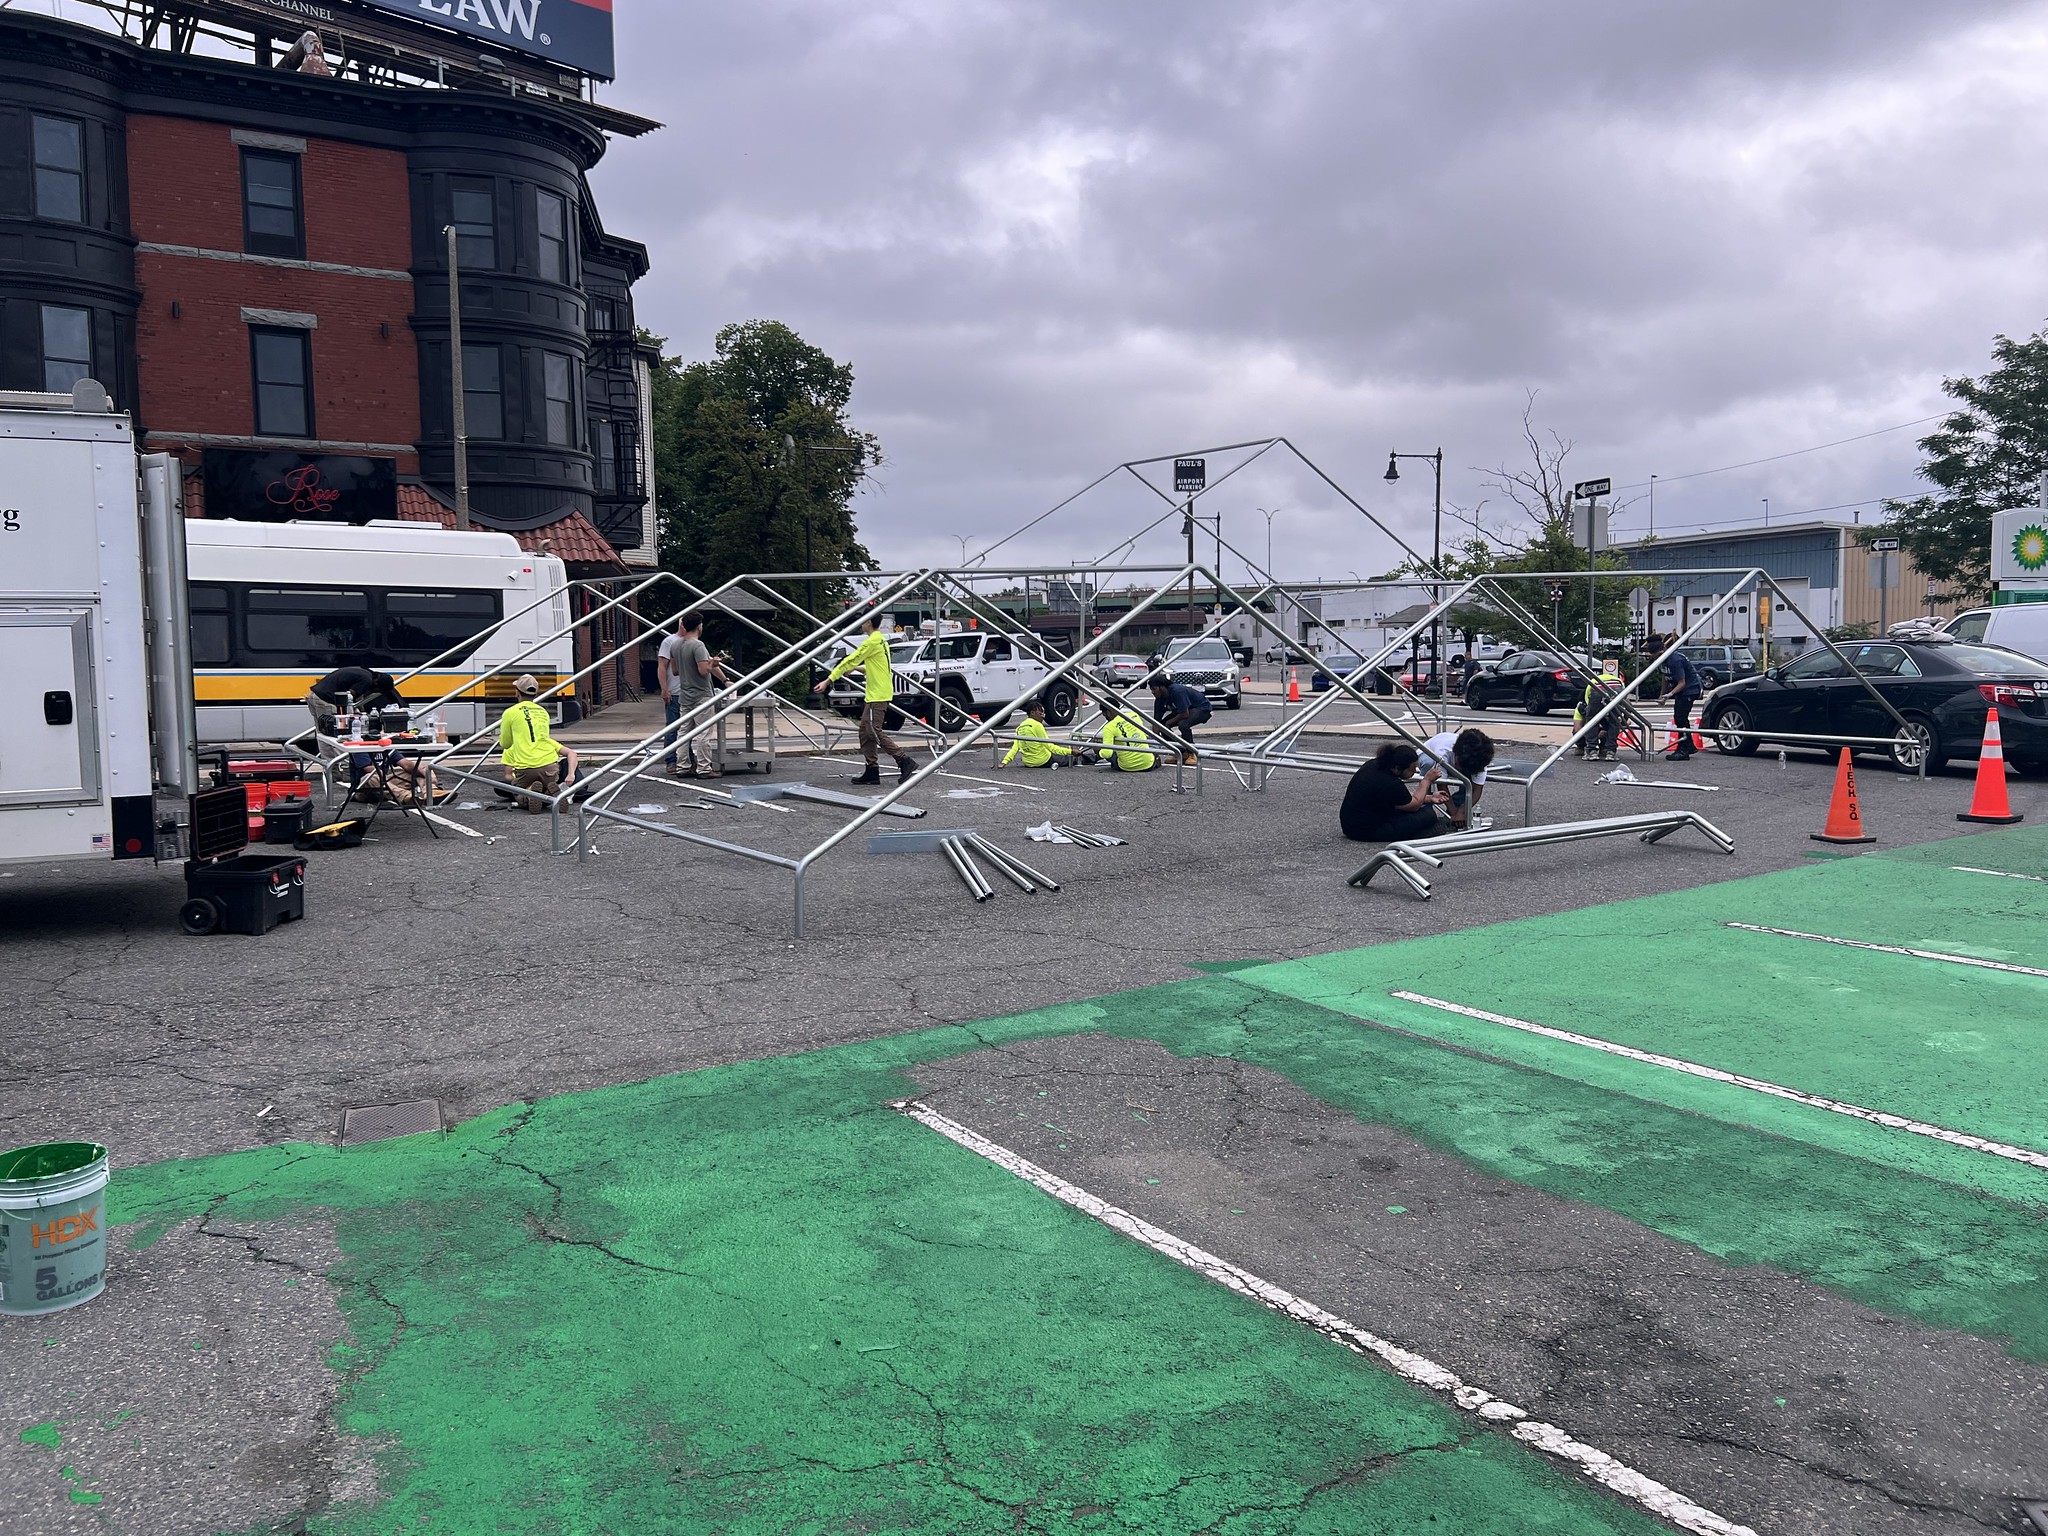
x=976, y=673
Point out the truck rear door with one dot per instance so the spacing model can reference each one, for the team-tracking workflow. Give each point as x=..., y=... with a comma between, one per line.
x=49, y=737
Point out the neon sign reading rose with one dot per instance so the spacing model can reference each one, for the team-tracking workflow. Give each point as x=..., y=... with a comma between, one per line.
x=300, y=491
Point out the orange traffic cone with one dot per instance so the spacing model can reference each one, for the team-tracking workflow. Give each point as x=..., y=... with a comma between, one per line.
x=1990, y=803
x=1293, y=687
x=1699, y=742
x=1845, y=817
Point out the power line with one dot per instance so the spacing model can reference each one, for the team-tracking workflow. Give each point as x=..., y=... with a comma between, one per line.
x=1795, y=453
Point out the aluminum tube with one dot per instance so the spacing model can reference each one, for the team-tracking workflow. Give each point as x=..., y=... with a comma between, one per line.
x=1007, y=871
x=995, y=855
x=969, y=876
x=974, y=869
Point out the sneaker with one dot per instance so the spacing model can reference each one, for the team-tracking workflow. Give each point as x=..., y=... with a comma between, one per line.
x=1678, y=756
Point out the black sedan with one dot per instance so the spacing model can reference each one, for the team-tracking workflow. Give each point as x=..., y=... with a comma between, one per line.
x=1537, y=681
x=1943, y=688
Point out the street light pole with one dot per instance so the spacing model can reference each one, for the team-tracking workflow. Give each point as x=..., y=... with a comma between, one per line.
x=1436, y=555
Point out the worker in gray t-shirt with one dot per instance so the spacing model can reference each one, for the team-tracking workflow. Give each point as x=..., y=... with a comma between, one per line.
x=688, y=670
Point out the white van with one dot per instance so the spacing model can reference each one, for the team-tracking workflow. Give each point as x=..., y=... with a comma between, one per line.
x=2021, y=627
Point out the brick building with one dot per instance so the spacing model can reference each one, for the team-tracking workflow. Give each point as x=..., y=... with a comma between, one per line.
x=252, y=259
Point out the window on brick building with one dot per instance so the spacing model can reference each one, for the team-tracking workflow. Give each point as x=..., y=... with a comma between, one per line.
x=273, y=218
x=67, y=347
x=60, y=169
x=483, y=390
x=474, y=210
x=282, y=362
x=553, y=222
x=559, y=395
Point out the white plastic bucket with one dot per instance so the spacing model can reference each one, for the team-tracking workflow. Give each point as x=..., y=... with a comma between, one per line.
x=53, y=1240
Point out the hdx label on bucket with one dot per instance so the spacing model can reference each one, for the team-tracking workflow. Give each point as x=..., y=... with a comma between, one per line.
x=53, y=1251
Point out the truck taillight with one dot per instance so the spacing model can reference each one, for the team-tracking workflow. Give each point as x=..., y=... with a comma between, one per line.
x=2006, y=695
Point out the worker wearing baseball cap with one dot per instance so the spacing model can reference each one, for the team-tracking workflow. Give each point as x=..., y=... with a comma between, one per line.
x=532, y=757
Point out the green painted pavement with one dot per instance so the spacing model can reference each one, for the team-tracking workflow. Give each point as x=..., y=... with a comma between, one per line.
x=752, y=1298
x=755, y=1300
x=1957, y=1046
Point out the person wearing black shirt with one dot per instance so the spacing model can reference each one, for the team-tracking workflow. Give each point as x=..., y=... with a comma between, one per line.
x=1686, y=688
x=1380, y=808
x=362, y=686
x=1179, y=707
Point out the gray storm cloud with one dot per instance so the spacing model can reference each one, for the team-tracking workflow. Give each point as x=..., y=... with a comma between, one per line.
x=1051, y=237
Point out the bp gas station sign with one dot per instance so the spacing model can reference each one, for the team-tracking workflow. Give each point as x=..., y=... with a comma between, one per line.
x=2019, y=547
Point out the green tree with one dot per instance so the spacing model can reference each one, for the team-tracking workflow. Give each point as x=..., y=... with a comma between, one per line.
x=757, y=464
x=1988, y=456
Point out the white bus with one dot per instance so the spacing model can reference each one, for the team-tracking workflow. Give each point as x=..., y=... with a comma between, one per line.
x=277, y=606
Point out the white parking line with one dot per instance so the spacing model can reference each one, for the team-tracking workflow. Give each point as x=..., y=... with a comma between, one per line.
x=1602, y=1468
x=1971, y=869
x=1714, y=1074
x=1894, y=949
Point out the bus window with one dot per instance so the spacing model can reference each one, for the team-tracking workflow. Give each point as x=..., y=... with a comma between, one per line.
x=316, y=627
x=418, y=626
x=212, y=641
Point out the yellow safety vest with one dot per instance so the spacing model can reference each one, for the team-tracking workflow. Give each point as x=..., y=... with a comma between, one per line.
x=523, y=739
x=872, y=655
x=1035, y=746
x=1118, y=729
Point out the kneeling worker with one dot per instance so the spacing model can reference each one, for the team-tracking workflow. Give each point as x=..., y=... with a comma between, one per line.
x=533, y=759
x=1467, y=754
x=1179, y=707
x=1124, y=744
x=1032, y=744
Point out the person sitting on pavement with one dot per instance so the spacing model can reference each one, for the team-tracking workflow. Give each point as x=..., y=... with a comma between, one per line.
x=1378, y=805
x=1125, y=747
x=1179, y=708
x=359, y=685
x=1037, y=749
x=1686, y=688
x=1466, y=754
x=1601, y=743
x=533, y=758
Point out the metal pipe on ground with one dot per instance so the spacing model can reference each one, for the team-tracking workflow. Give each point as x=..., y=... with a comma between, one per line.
x=970, y=877
x=995, y=855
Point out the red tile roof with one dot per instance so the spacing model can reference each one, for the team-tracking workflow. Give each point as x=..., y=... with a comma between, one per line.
x=573, y=539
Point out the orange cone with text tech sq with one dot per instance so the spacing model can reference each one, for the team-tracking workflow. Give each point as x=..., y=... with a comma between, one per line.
x=1845, y=816
x=1293, y=687
x=1990, y=802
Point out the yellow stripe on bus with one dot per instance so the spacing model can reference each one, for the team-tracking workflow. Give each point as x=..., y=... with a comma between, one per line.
x=292, y=687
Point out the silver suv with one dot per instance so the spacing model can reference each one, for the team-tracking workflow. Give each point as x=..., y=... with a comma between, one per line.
x=1209, y=664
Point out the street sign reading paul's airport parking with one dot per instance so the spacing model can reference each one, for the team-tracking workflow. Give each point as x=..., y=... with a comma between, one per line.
x=1190, y=474
x=1586, y=490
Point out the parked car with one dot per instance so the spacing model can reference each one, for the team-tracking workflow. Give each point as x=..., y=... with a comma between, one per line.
x=1539, y=681
x=1718, y=664
x=976, y=673
x=1942, y=686
x=1348, y=665
x=1208, y=664
x=1122, y=670
x=1288, y=656
x=2021, y=627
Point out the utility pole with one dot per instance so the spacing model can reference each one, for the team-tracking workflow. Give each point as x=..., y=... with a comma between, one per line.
x=455, y=382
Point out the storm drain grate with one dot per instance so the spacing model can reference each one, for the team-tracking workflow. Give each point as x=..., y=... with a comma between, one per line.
x=2038, y=1513
x=381, y=1122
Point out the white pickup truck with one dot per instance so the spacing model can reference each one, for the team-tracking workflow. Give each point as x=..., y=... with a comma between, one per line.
x=976, y=673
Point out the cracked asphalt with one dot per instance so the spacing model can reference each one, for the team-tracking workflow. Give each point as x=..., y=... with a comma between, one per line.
x=490, y=972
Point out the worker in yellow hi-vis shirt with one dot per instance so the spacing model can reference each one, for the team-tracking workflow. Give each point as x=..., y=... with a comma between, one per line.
x=533, y=759
x=1124, y=743
x=1032, y=744
x=878, y=696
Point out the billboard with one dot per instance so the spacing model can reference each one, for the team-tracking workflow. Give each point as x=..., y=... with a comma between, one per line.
x=2019, y=545
x=574, y=35
x=269, y=487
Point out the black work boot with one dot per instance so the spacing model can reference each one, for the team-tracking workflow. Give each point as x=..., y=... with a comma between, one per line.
x=905, y=767
x=871, y=775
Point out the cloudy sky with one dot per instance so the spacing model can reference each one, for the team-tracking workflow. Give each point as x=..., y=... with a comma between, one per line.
x=1052, y=235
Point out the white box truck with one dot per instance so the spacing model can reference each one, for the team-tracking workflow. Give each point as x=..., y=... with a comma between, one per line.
x=95, y=688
